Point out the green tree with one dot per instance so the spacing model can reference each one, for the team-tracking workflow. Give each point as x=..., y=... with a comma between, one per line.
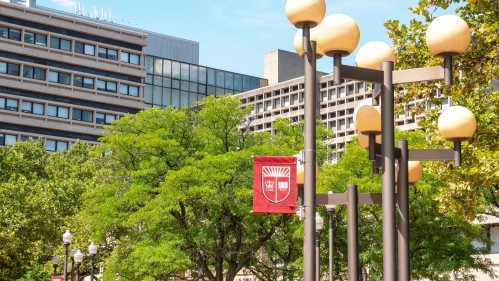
x=441, y=242
x=39, y=193
x=473, y=186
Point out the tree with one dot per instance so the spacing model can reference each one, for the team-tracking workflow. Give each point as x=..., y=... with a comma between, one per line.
x=176, y=197
x=39, y=192
x=441, y=242
x=475, y=71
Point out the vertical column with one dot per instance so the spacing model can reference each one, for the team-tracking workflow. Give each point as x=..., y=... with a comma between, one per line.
x=403, y=212
x=388, y=177
x=309, y=162
x=353, y=232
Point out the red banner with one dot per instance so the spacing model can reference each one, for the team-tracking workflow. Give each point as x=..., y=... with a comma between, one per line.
x=274, y=184
x=56, y=278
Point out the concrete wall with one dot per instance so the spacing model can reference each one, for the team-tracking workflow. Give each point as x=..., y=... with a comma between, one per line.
x=169, y=47
x=282, y=66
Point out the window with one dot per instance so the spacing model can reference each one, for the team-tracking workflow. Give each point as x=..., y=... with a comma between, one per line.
x=129, y=90
x=10, y=33
x=7, y=139
x=59, y=77
x=9, y=68
x=130, y=58
x=54, y=145
x=106, y=86
x=108, y=53
x=58, y=111
x=342, y=92
x=295, y=98
x=286, y=101
x=268, y=105
x=82, y=115
x=324, y=96
x=83, y=48
x=350, y=90
x=360, y=87
x=34, y=73
x=102, y=118
x=34, y=38
x=59, y=43
x=32, y=107
x=85, y=82
x=277, y=103
x=26, y=138
x=9, y=104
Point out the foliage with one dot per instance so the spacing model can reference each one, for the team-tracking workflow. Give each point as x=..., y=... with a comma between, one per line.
x=441, y=242
x=176, y=196
x=39, y=192
x=474, y=74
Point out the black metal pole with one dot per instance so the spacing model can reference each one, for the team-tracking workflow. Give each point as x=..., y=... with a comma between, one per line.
x=55, y=269
x=353, y=232
x=317, y=255
x=66, y=245
x=403, y=212
x=330, y=212
x=388, y=178
x=337, y=69
x=92, y=265
x=77, y=271
x=457, y=153
x=448, y=70
x=309, y=163
x=72, y=268
x=300, y=195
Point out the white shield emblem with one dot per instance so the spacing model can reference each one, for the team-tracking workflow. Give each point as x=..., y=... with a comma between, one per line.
x=276, y=183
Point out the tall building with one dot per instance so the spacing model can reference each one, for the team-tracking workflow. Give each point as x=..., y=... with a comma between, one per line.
x=63, y=76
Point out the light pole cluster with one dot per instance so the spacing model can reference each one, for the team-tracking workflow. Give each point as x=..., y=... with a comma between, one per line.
x=76, y=258
x=336, y=36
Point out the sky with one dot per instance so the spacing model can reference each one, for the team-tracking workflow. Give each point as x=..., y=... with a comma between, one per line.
x=234, y=35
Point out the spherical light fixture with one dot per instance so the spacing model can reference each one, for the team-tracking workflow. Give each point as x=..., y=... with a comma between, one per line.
x=298, y=42
x=305, y=12
x=66, y=237
x=332, y=206
x=367, y=118
x=364, y=140
x=78, y=257
x=415, y=170
x=319, y=222
x=92, y=249
x=372, y=54
x=448, y=35
x=338, y=35
x=456, y=123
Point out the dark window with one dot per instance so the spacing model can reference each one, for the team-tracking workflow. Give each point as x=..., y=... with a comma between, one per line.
x=108, y=53
x=59, y=77
x=106, y=86
x=82, y=115
x=130, y=58
x=9, y=104
x=59, y=43
x=31, y=107
x=58, y=111
x=9, y=68
x=34, y=38
x=7, y=139
x=25, y=138
x=14, y=34
x=54, y=145
x=85, y=82
x=86, y=49
x=34, y=73
x=129, y=90
x=102, y=118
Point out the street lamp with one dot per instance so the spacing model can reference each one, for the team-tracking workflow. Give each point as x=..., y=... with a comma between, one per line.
x=92, y=251
x=78, y=259
x=319, y=224
x=307, y=14
x=66, y=238
x=72, y=254
x=330, y=209
x=55, y=263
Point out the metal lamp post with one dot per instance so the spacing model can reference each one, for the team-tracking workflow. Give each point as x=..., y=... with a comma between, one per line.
x=78, y=259
x=66, y=238
x=330, y=209
x=319, y=224
x=72, y=254
x=92, y=251
x=55, y=263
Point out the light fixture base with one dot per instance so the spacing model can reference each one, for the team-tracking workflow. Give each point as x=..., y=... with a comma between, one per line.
x=302, y=24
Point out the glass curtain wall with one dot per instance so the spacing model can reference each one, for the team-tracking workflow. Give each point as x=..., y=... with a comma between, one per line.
x=181, y=84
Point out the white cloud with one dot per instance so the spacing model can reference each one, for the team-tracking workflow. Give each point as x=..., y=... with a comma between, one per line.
x=65, y=3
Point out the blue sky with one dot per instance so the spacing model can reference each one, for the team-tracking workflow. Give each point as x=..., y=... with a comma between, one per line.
x=234, y=35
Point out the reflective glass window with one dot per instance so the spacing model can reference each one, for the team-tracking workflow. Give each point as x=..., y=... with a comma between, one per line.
x=254, y=83
x=167, y=82
x=157, y=95
x=158, y=66
x=62, y=145
x=193, y=87
x=202, y=75
x=13, y=69
x=14, y=34
x=167, y=68
x=184, y=71
x=28, y=72
x=148, y=79
x=54, y=76
x=149, y=64
x=50, y=145
x=211, y=76
x=41, y=39
x=77, y=81
x=29, y=37
x=89, y=50
x=12, y=105
x=134, y=59
x=220, y=78
x=65, y=45
x=3, y=67
x=124, y=57
x=34, y=73
x=184, y=85
x=193, y=73
x=167, y=96
x=175, y=70
x=201, y=89
x=2, y=103
x=193, y=97
x=88, y=83
x=176, y=98
x=148, y=94
x=102, y=52
x=123, y=89
x=246, y=83
x=220, y=92
x=112, y=54
x=79, y=47
x=158, y=80
x=238, y=82
x=184, y=98
x=211, y=90
x=133, y=91
x=4, y=32
x=229, y=80
x=175, y=84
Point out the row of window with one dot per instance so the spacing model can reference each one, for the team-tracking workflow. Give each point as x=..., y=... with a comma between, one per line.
x=50, y=145
x=162, y=97
x=65, y=78
x=63, y=44
x=57, y=111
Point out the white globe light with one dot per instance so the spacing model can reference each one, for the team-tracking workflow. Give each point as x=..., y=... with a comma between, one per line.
x=448, y=35
x=372, y=54
x=305, y=12
x=338, y=34
x=367, y=118
x=456, y=123
x=298, y=43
